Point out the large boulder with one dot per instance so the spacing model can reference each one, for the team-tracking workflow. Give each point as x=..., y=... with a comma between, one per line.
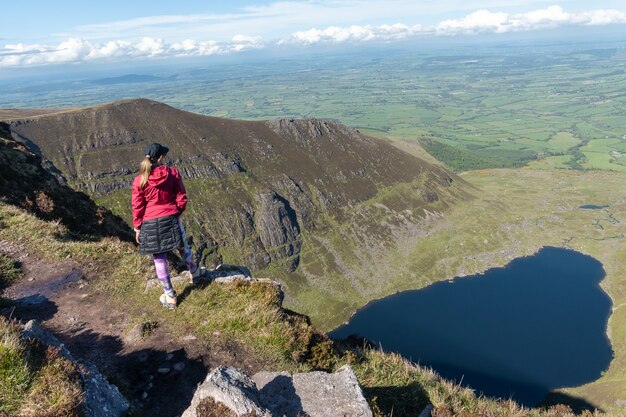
x=282, y=394
x=231, y=388
x=301, y=394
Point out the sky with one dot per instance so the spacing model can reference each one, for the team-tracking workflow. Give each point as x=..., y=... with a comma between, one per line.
x=44, y=33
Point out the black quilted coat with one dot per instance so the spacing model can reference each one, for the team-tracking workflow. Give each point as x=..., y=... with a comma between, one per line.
x=160, y=235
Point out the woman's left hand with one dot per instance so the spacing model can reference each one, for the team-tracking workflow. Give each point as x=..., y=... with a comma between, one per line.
x=137, y=236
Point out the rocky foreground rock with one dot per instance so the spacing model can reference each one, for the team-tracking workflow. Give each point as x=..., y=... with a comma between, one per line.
x=267, y=394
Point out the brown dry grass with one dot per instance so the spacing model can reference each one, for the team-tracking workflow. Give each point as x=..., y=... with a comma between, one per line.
x=210, y=408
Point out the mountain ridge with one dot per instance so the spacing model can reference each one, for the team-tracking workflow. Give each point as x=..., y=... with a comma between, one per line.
x=316, y=199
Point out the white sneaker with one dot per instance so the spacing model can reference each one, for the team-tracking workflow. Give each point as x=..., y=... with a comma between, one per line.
x=168, y=302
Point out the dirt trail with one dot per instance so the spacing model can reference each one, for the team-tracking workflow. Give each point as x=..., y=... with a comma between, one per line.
x=158, y=374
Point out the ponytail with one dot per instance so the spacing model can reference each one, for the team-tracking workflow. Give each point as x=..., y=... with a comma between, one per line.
x=144, y=170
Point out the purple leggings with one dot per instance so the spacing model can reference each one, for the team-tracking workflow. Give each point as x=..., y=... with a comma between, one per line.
x=160, y=263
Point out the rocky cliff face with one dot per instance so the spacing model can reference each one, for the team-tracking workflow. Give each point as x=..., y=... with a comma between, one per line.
x=256, y=187
x=30, y=182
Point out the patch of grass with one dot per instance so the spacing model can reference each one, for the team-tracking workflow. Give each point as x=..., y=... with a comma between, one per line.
x=34, y=381
x=397, y=387
x=148, y=327
x=15, y=371
x=211, y=408
x=459, y=159
x=563, y=141
x=56, y=390
x=9, y=271
x=250, y=313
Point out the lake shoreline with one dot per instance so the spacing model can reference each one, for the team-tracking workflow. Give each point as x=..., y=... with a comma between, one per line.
x=557, y=332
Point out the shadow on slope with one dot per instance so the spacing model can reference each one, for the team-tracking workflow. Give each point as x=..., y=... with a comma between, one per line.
x=405, y=400
x=31, y=307
x=576, y=404
x=158, y=379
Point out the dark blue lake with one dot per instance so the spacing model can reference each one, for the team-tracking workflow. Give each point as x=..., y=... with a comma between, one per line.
x=593, y=207
x=519, y=331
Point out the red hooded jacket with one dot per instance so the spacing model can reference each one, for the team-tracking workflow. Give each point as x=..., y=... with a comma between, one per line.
x=163, y=195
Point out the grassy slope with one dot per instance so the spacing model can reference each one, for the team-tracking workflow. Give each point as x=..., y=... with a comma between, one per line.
x=250, y=314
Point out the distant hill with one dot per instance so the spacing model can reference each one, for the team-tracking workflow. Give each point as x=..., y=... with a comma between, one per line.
x=127, y=79
x=319, y=201
x=10, y=114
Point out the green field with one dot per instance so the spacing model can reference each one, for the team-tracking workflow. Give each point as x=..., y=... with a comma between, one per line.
x=509, y=104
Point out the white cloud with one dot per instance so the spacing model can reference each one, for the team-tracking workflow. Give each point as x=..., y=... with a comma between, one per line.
x=91, y=48
x=279, y=19
x=554, y=16
x=243, y=42
x=602, y=17
x=150, y=47
x=189, y=47
x=75, y=50
x=481, y=21
x=354, y=33
x=151, y=21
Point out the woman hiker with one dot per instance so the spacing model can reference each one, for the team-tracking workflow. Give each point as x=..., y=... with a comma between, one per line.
x=158, y=200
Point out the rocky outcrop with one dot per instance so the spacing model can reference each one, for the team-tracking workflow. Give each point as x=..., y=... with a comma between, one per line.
x=312, y=394
x=278, y=228
x=223, y=274
x=302, y=394
x=101, y=398
x=305, y=131
x=233, y=389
